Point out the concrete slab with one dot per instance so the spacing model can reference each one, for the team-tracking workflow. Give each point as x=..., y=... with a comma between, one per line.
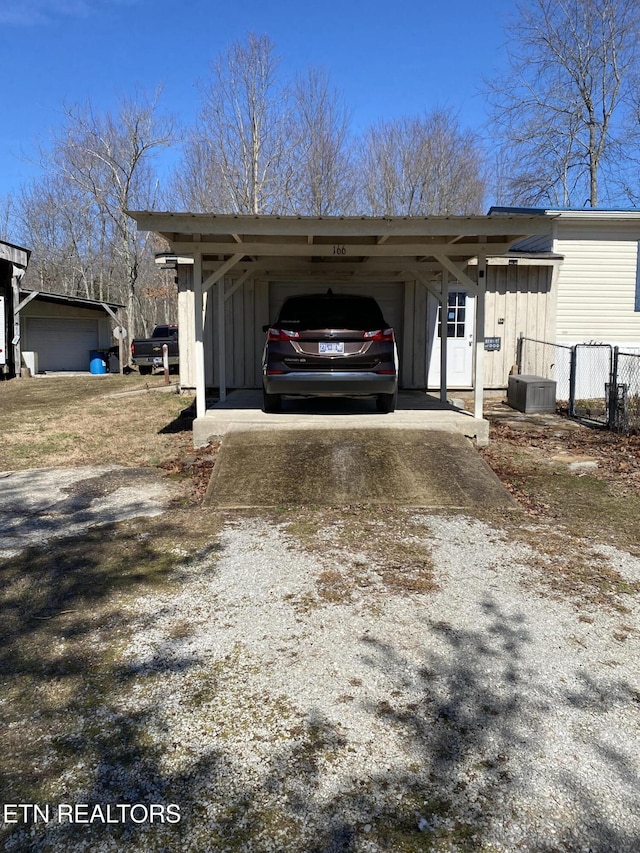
x=405, y=467
x=416, y=410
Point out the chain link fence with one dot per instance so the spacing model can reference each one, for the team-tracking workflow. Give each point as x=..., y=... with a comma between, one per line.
x=596, y=382
x=591, y=382
x=626, y=396
x=550, y=361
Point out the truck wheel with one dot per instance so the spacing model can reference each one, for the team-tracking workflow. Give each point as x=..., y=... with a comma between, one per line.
x=144, y=369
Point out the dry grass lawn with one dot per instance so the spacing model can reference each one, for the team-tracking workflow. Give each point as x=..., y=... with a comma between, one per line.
x=84, y=420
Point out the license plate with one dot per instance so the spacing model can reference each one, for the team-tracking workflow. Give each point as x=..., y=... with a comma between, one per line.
x=326, y=347
x=157, y=361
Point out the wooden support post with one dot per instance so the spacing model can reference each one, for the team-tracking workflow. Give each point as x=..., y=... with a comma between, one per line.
x=201, y=400
x=444, y=334
x=165, y=363
x=478, y=370
x=222, y=350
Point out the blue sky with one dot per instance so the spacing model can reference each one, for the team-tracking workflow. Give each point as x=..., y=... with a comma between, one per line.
x=388, y=58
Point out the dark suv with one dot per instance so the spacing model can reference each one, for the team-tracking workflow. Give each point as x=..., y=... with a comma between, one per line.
x=330, y=345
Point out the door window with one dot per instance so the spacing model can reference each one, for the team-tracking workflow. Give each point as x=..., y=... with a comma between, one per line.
x=456, y=306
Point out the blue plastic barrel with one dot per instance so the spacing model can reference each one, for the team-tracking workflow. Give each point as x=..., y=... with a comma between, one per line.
x=97, y=363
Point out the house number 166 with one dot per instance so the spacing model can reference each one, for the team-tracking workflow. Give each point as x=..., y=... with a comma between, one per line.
x=339, y=250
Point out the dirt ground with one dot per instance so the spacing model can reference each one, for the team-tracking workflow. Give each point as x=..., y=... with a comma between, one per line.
x=581, y=478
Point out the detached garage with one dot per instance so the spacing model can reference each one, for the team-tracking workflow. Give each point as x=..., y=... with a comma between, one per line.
x=63, y=330
x=47, y=331
x=61, y=344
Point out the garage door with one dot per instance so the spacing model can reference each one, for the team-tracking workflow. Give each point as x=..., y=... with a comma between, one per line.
x=61, y=344
x=390, y=298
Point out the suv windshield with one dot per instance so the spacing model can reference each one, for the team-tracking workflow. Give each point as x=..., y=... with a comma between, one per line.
x=330, y=312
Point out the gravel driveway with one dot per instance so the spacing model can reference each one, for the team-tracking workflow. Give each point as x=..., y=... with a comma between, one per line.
x=296, y=692
x=41, y=504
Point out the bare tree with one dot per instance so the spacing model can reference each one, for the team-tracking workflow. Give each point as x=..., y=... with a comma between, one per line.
x=419, y=166
x=7, y=214
x=325, y=177
x=241, y=152
x=61, y=230
x=105, y=162
x=560, y=115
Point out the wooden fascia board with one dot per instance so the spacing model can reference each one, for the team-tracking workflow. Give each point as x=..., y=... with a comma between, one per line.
x=14, y=254
x=347, y=250
x=521, y=262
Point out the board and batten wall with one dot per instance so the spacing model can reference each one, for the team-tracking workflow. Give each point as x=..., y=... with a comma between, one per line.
x=255, y=304
x=520, y=298
x=246, y=311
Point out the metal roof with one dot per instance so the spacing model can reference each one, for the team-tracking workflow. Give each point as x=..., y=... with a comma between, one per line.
x=343, y=245
x=44, y=296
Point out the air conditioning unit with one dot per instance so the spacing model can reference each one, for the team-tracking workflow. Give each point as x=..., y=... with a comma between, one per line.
x=531, y=394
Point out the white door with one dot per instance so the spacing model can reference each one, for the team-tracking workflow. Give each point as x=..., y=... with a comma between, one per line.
x=460, y=323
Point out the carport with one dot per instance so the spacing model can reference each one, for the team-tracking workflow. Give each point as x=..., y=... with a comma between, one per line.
x=217, y=257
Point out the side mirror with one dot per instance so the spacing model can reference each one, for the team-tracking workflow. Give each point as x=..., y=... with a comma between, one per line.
x=266, y=328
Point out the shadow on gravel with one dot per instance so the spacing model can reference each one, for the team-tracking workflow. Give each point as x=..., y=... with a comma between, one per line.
x=42, y=504
x=66, y=737
x=69, y=739
x=454, y=788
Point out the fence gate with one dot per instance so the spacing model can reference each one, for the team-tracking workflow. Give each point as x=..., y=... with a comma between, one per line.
x=591, y=382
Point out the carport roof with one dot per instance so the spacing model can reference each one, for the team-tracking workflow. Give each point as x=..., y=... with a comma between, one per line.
x=357, y=243
x=426, y=249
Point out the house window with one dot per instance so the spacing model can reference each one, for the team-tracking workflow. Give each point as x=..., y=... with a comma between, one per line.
x=457, y=302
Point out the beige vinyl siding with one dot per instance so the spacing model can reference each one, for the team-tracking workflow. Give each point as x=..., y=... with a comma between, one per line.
x=522, y=297
x=597, y=291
